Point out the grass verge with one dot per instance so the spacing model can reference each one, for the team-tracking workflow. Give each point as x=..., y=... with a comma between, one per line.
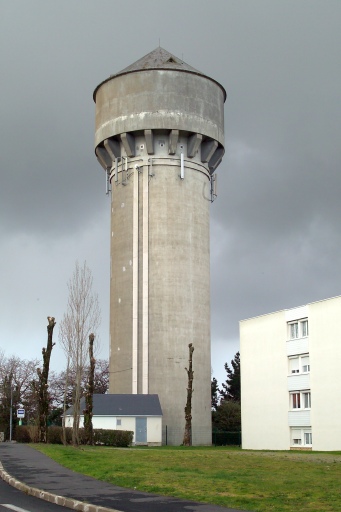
x=247, y=480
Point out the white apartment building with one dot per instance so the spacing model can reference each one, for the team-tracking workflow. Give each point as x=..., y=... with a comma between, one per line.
x=290, y=380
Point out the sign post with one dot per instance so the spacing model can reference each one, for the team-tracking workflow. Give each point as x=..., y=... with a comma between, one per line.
x=20, y=415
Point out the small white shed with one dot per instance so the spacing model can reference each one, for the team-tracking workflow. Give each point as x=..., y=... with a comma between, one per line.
x=140, y=414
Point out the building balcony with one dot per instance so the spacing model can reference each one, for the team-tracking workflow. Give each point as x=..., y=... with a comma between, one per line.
x=297, y=346
x=299, y=418
x=297, y=382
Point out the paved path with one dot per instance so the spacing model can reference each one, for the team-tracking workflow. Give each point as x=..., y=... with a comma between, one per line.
x=44, y=478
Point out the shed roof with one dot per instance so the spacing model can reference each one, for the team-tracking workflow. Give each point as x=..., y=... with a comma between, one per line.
x=123, y=405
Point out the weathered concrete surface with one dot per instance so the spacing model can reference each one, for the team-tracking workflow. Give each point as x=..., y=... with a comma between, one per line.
x=160, y=133
x=159, y=94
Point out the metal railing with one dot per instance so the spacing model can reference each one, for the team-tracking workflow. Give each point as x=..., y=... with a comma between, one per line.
x=226, y=438
x=173, y=436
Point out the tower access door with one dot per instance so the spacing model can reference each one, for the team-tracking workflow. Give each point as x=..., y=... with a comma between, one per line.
x=141, y=431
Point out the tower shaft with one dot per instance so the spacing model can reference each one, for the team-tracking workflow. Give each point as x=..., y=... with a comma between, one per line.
x=160, y=279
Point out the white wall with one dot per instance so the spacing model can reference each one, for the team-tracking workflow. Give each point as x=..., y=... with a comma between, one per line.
x=265, y=382
x=154, y=425
x=264, y=393
x=325, y=358
x=154, y=431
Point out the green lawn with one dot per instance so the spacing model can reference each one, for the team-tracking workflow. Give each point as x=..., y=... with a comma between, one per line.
x=249, y=480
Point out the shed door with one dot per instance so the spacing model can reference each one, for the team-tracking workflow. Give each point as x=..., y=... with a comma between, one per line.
x=141, y=430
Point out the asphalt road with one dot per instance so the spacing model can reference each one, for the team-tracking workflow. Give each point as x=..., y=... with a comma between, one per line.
x=12, y=499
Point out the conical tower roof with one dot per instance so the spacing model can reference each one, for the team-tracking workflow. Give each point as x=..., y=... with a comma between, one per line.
x=158, y=59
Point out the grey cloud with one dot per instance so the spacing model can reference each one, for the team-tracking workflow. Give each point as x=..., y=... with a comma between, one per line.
x=275, y=237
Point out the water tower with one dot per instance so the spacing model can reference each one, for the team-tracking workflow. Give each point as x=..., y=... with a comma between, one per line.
x=160, y=137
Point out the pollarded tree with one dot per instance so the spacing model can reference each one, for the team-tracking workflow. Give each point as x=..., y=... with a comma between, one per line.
x=188, y=409
x=80, y=320
x=101, y=383
x=41, y=385
x=231, y=387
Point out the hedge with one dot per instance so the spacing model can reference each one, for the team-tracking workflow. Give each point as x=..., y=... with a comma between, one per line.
x=104, y=437
x=107, y=437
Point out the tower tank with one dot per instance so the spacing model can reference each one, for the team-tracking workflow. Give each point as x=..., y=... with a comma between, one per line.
x=160, y=136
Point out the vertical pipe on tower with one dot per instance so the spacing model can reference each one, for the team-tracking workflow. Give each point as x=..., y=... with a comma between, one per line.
x=145, y=293
x=135, y=281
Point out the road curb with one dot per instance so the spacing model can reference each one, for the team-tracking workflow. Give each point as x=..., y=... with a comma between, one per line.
x=52, y=498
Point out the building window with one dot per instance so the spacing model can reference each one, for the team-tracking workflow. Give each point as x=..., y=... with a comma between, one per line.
x=306, y=400
x=118, y=422
x=304, y=328
x=308, y=439
x=296, y=437
x=293, y=330
x=301, y=437
x=305, y=364
x=300, y=400
x=294, y=365
x=296, y=400
x=299, y=364
x=298, y=329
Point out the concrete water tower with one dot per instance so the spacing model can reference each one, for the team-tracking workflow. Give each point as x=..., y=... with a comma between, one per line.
x=159, y=137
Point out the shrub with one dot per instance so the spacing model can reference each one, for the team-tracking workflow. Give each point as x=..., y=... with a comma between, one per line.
x=22, y=434
x=106, y=437
x=5, y=429
x=120, y=438
x=34, y=434
x=55, y=435
x=26, y=434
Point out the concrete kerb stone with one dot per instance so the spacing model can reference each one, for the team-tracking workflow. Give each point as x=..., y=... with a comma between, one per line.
x=52, y=498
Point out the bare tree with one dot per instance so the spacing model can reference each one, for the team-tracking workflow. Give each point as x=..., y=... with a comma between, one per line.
x=41, y=387
x=16, y=376
x=66, y=344
x=80, y=320
x=101, y=384
x=188, y=409
x=2, y=358
x=57, y=383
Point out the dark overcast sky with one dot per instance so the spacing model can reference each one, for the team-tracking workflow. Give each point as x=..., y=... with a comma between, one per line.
x=275, y=226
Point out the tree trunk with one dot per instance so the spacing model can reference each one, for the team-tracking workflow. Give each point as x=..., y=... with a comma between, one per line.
x=42, y=386
x=88, y=427
x=65, y=397
x=76, y=406
x=188, y=409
